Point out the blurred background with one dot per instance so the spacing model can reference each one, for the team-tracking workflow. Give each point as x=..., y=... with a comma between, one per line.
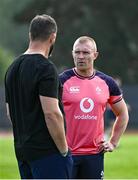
x=114, y=26
x=112, y=23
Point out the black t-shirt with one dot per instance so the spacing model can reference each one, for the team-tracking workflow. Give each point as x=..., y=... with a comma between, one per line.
x=29, y=76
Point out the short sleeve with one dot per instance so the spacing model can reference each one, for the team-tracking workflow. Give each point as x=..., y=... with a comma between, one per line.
x=48, y=81
x=115, y=92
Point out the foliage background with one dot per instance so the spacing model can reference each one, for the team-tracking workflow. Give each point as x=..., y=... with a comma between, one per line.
x=112, y=23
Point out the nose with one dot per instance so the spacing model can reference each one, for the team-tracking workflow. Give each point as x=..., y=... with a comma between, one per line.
x=81, y=55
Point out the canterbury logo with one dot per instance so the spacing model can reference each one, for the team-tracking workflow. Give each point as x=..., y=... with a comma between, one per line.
x=91, y=105
x=74, y=89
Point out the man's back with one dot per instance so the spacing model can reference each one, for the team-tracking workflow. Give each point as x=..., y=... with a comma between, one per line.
x=22, y=94
x=33, y=105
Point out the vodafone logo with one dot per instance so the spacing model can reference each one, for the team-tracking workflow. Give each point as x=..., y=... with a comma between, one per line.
x=86, y=105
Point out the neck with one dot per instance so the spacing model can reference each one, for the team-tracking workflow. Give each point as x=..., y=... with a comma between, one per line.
x=85, y=73
x=37, y=47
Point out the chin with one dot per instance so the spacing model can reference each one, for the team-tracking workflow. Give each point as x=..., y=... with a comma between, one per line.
x=81, y=68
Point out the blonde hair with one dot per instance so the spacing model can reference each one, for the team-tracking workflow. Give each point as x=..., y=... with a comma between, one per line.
x=84, y=39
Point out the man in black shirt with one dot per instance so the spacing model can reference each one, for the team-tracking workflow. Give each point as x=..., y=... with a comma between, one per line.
x=34, y=107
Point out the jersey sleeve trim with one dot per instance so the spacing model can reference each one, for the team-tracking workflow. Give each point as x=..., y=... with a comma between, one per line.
x=115, y=99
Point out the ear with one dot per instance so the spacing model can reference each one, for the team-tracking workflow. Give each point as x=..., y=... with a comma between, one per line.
x=96, y=55
x=72, y=52
x=29, y=36
x=52, y=38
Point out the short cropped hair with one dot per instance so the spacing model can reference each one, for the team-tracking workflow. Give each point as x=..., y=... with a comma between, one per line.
x=84, y=39
x=41, y=27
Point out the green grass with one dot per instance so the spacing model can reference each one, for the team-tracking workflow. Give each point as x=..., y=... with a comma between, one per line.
x=8, y=163
x=121, y=164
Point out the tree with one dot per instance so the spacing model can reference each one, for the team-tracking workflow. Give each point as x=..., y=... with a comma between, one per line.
x=108, y=22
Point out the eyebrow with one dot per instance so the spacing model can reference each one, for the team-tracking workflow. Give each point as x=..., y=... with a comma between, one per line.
x=77, y=50
x=82, y=51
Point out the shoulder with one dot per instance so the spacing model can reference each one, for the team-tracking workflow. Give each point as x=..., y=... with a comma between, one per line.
x=46, y=66
x=14, y=66
x=66, y=75
x=112, y=85
x=104, y=76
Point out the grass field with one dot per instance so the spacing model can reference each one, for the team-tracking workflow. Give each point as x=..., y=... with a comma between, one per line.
x=121, y=164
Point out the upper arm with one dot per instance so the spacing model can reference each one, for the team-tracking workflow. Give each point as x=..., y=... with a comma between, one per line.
x=49, y=105
x=7, y=110
x=49, y=91
x=6, y=99
x=115, y=93
x=119, y=108
x=48, y=82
